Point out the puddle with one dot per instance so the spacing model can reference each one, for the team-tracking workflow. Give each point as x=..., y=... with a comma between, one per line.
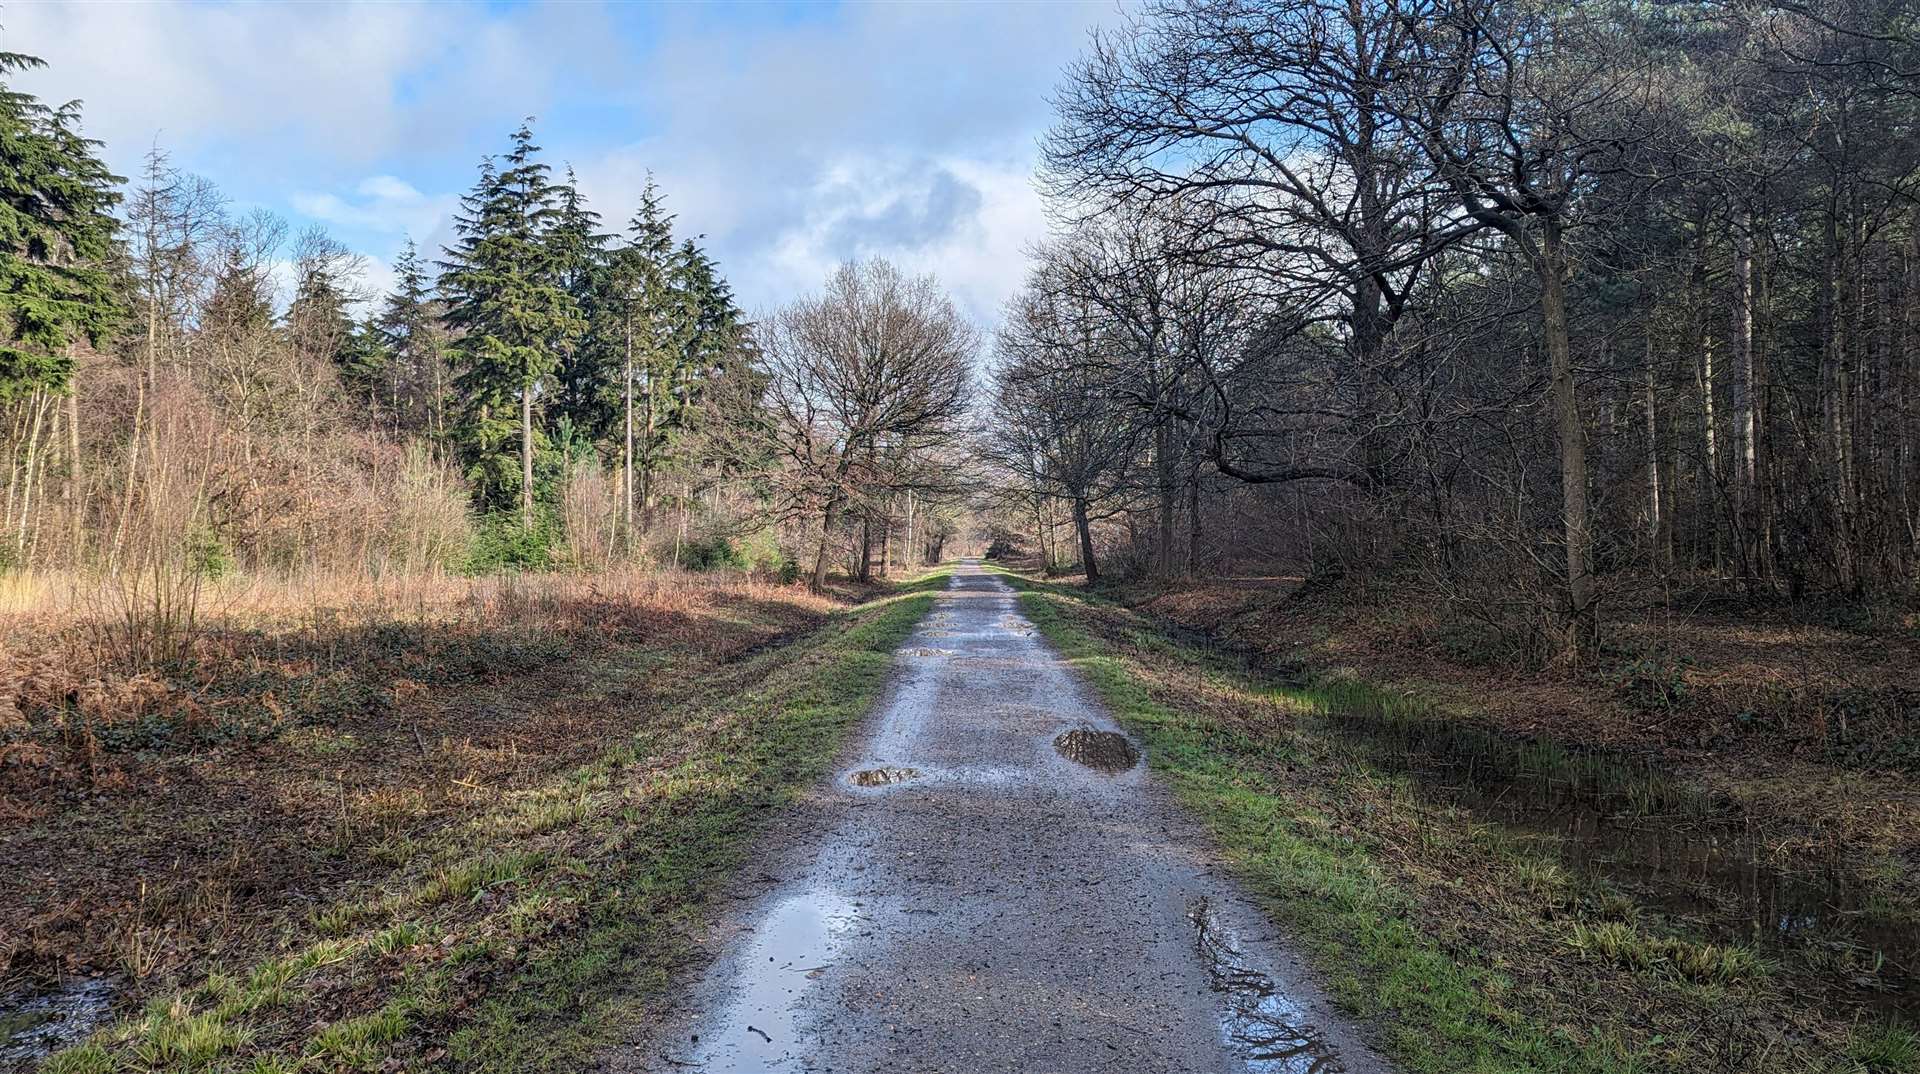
x=1261, y=1024
x=36, y=1024
x=1106, y=751
x=791, y=949
x=882, y=777
x=1723, y=883
x=1696, y=868
x=929, y=651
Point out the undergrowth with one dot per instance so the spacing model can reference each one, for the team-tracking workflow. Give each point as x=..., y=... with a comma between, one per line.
x=1463, y=946
x=523, y=937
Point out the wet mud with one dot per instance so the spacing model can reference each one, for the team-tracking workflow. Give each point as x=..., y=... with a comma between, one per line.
x=34, y=1024
x=977, y=890
x=883, y=777
x=1102, y=751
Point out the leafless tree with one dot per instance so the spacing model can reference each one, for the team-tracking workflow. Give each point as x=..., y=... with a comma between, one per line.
x=1056, y=425
x=858, y=385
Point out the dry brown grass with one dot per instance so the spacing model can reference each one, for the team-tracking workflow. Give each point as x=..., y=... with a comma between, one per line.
x=313, y=724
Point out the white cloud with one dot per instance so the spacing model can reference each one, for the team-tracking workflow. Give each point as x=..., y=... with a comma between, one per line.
x=383, y=204
x=790, y=140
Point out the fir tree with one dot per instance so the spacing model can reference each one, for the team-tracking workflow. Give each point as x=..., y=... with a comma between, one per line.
x=407, y=331
x=56, y=237
x=661, y=319
x=503, y=291
x=586, y=389
x=321, y=324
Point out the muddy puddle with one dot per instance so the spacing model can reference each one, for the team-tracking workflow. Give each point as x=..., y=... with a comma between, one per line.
x=794, y=947
x=1625, y=827
x=1260, y=1023
x=1104, y=751
x=33, y=1025
x=883, y=777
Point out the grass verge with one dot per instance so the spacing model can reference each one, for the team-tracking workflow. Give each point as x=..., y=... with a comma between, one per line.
x=1467, y=947
x=526, y=936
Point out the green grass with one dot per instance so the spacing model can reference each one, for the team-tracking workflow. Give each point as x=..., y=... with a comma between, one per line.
x=1436, y=1012
x=1886, y=1049
x=526, y=938
x=1468, y=947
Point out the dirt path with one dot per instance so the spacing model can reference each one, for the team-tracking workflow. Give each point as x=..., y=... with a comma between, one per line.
x=988, y=904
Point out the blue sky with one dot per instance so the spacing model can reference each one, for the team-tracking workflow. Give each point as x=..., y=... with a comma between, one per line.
x=791, y=135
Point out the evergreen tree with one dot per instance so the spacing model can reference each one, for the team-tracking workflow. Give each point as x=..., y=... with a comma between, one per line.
x=587, y=389
x=407, y=331
x=718, y=324
x=504, y=293
x=661, y=319
x=321, y=324
x=56, y=237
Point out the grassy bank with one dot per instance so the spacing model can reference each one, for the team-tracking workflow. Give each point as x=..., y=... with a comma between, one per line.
x=520, y=931
x=1470, y=943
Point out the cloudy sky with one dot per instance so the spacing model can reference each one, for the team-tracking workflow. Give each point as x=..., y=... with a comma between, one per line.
x=792, y=135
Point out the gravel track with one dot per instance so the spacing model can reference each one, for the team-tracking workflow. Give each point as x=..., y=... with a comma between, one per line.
x=979, y=902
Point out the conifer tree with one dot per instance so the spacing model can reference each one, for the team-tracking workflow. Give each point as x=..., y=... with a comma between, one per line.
x=56, y=236
x=585, y=382
x=322, y=326
x=407, y=330
x=503, y=292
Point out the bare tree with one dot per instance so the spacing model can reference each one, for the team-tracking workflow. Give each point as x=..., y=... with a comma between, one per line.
x=857, y=386
x=1518, y=114
x=1056, y=425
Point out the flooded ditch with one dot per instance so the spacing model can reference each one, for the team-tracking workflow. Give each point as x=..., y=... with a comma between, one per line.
x=1664, y=846
x=34, y=1024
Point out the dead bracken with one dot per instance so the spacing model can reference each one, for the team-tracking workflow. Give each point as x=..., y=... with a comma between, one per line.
x=884, y=777
x=1107, y=751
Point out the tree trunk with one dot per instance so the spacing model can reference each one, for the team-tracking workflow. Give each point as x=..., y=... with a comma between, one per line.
x=866, y=546
x=626, y=467
x=526, y=455
x=1582, y=629
x=1744, y=390
x=1660, y=526
x=76, y=475
x=1193, y=521
x=1085, y=532
x=827, y=519
x=1163, y=477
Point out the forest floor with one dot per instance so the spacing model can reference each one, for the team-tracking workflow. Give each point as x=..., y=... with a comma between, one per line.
x=399, y=832
x=1703, y=854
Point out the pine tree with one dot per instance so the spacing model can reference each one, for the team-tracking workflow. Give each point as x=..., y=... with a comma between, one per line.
x=407, y=331
x=56, y=237
x=322, y=325
x=661, y=320
x=504, y=294
x=586, y=380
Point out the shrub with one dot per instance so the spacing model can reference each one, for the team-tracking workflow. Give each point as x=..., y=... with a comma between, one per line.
x=502, y=543
x=716, y=552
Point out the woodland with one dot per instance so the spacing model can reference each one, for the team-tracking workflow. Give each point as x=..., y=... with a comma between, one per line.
x=1472, y=445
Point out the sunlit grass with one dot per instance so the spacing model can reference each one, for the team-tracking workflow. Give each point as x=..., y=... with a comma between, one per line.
x=568, y=899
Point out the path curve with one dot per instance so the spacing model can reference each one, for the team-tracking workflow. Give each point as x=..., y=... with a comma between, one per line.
x=988, y=905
